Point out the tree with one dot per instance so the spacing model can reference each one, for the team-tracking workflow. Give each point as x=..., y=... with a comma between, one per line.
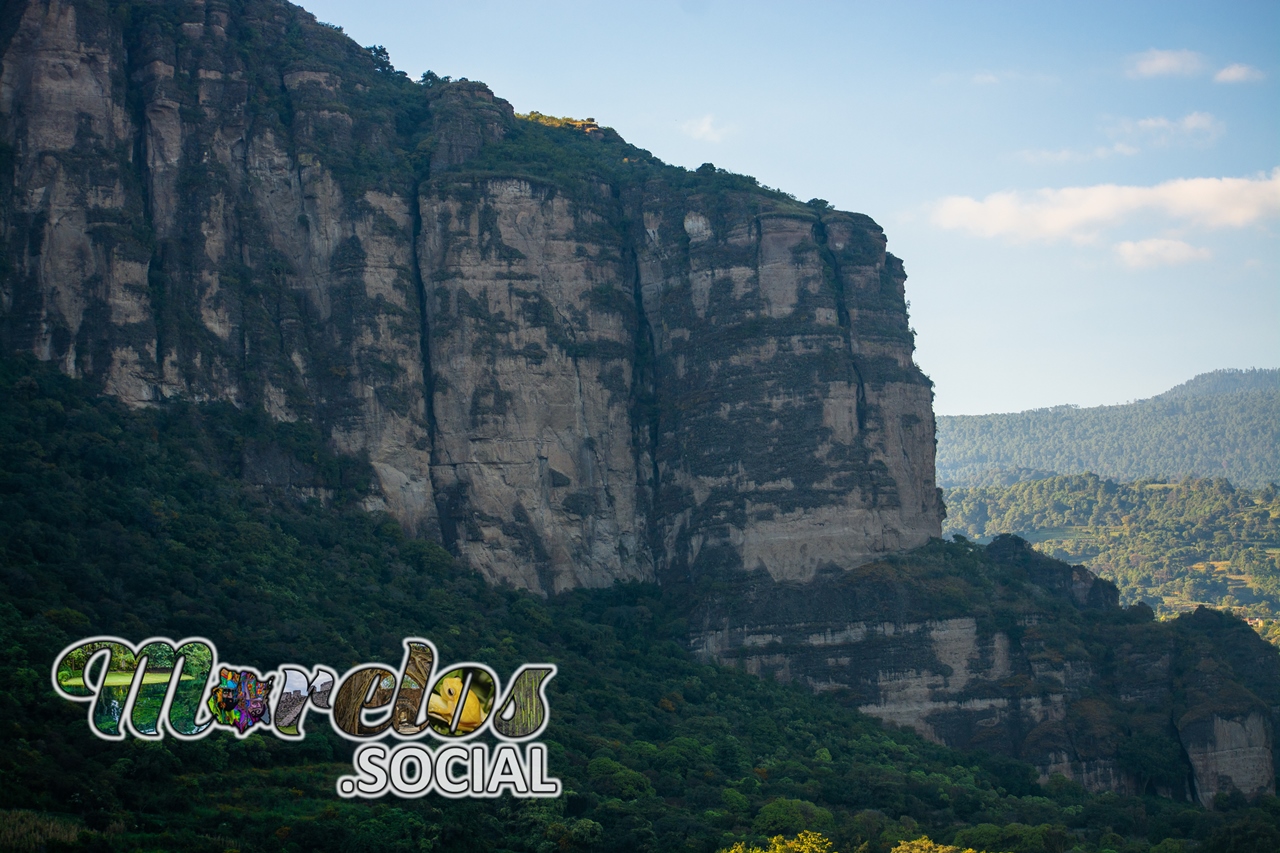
x=788, y=815
x=805, y=842
x=924, y=845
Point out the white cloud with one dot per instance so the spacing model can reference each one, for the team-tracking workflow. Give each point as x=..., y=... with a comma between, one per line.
x=1077, y=213
x=1193, y=127
x=1238, y=73
x=1072, y=155
x=1188, y=63
x=705, y=129
x=1197, y=128
x=1166, y=63
x=1188, y=123
x=1158, y=252
x=991, y=78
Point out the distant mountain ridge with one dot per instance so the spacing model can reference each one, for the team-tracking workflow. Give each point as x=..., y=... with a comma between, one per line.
x=1225, y=382
x=1220, y=424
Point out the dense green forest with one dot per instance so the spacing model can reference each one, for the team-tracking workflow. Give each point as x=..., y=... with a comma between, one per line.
x=1172, y=545
x=1220, y=424
x=135, y=523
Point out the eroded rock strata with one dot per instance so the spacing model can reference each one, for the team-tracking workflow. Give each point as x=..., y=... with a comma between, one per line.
x=1006, y=650
x=637, y=374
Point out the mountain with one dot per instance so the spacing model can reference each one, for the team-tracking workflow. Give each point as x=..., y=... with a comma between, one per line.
x=1220, y=424
x=134, y=522
x=572, y=363
x=316, y=316
x=1224, y=382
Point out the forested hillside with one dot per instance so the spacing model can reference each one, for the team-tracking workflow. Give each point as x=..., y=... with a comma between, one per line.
x=136, y=523
x=1220, y=424
x=1224, y=382
x=1173, y=545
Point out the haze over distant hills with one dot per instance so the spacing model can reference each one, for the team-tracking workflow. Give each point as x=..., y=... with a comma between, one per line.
x=1220, y=424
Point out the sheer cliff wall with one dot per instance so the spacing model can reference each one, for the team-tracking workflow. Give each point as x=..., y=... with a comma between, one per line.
x=1006, y=650
x=654, y=374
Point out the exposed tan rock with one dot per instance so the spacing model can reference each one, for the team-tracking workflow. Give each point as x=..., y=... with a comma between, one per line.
x=533, y=452
x=789, y=460
x=775, y=438
x=1045, y=690
x=65, y=120
x=1230, y=754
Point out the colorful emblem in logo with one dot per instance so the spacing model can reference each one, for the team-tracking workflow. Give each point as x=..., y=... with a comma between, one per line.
x=241, y=699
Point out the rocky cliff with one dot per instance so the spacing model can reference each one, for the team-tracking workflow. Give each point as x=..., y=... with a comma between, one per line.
x=572, y=362
x=1006, y=650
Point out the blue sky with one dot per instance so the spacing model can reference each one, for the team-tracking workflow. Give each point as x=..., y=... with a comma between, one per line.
x=1086, y=195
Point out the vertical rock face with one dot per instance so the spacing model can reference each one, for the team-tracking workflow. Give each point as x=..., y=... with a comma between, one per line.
x=75, y=279
x=1019, y=654
x=573, y=381
x=1230, y=754
x=532, y=341
x=794, y=430
x=187, y=218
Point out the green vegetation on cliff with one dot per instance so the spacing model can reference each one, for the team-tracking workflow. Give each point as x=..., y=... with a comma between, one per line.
x=135, y=523
x=1173, y=545
x=1221, y=424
